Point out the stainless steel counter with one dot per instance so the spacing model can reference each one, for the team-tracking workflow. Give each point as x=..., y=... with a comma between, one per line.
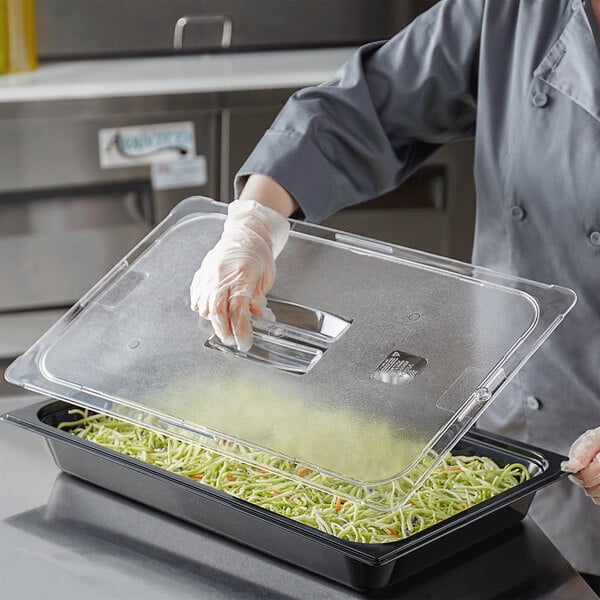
x=60, y=538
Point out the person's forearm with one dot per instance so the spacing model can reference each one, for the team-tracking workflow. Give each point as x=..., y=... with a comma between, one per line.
x=268, y=192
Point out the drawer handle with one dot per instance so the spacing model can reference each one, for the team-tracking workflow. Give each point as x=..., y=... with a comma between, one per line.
x=182, y=22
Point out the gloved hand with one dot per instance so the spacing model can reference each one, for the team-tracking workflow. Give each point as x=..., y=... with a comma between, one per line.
x=237, y=273
x=584, y=463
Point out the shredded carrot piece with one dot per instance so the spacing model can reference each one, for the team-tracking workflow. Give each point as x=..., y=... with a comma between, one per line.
x=302, y=471
x=197, y=476
x=392, y=531
x=338, y=505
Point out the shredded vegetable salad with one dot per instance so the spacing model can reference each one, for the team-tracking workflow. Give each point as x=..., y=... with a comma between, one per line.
x=458, y=483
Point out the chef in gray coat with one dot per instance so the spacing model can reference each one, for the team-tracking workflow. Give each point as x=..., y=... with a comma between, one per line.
x=523, y=79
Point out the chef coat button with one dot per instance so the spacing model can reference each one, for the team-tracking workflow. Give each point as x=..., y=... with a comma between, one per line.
x=540, y=100
x=533, y=403
x=574, y=4
x=595, y=238
x=517, y=213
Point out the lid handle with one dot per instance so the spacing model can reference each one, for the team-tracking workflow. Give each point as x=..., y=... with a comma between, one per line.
x=295, y=341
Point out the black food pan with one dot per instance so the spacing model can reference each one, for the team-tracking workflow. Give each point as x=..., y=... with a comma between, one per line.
x=360, y=566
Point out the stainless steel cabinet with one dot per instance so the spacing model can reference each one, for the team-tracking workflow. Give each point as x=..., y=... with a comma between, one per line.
x=54, y=145
x=70, y=29
x=55, y=245
x=65, y=220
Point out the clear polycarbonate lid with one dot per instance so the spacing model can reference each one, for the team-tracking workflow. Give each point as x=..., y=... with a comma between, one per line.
x=378, y=361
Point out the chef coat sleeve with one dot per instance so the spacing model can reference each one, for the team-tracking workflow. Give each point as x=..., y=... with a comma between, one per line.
x=382, y=114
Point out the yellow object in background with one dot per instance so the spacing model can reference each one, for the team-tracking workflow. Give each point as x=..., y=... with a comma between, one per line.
x=17, y=36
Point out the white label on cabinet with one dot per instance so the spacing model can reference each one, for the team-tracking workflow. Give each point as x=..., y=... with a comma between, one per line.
x=146, y=144
x=170, y=175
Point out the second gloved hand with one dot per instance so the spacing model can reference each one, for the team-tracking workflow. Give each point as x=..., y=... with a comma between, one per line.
x=584, y=463
x=237, y=273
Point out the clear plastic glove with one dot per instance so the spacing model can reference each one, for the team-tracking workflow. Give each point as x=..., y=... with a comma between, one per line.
x=584, y=463
x=235, y=276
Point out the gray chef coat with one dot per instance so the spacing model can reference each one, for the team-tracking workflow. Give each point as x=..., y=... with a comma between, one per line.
x=523, y=78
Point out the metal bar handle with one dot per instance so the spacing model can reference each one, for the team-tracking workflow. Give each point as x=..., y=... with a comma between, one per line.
x=182, y=22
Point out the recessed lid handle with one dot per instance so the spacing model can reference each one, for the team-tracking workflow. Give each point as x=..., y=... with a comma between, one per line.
x=294, y=341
